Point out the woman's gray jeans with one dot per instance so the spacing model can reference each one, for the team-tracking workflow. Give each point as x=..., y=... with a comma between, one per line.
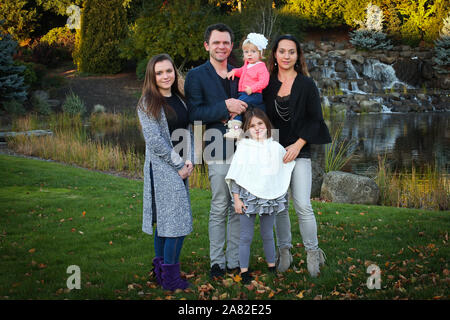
x=300, y=187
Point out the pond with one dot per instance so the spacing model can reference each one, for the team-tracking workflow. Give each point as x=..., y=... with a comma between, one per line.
x=405, y=139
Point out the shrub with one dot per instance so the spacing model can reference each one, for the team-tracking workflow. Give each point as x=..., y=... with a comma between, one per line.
x=103, y=26
x=98, y=108
x=29, y=74
x=371, y=40
x=13, y=107
x=73, y=105
x=41, y=105
x=50, y=55
x=61, y=37
x=370, y=35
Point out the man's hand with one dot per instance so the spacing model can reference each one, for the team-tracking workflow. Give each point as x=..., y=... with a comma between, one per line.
x=230, y=75
x=235, y=105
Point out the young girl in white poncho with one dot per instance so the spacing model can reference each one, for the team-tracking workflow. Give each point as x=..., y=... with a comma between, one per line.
x=258, y=181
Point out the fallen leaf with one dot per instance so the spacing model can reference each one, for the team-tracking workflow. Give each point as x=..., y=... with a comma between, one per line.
x=300, y=295
x=237, y=278
x=32, y=250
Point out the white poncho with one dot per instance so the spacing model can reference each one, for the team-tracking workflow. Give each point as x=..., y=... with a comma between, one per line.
x=258, y=167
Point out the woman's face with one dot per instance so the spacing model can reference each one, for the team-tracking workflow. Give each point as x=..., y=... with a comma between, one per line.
x=257, y=129
x=165, y=76
x=286, y=54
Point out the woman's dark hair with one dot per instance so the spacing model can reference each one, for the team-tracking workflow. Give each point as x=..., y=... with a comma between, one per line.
x=258, y=113
x=300, y=65
x=222, y=27
x=151, y=96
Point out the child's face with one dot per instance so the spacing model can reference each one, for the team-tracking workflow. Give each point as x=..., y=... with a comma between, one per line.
x=257, y=129
x=251, y=53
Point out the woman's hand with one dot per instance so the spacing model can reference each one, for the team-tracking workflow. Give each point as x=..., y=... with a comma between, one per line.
x=293, y=150
x=184, y=172
x=239, y=205
x=190, y=167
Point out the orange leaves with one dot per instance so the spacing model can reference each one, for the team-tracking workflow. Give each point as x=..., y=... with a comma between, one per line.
x=237, y=278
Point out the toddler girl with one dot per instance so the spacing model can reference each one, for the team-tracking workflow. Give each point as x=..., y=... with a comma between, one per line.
x=258, y=181
x=253, y=78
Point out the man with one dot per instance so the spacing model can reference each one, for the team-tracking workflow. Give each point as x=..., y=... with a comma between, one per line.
x=212, y=99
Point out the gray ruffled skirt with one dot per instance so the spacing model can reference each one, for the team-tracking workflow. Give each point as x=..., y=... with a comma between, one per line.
x=257, y=205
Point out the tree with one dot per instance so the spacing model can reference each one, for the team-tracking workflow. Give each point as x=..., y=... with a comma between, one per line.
x=12, y=85
x=442, y=48
x=19, y=20
x=319, y=13
x=103, y=27
x=175, y=27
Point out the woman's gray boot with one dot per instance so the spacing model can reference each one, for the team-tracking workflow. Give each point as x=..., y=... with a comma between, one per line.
x=315, y=259
x=322, y=257
x=284, y=259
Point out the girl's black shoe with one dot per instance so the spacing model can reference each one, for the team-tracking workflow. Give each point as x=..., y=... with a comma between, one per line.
x=272, y=270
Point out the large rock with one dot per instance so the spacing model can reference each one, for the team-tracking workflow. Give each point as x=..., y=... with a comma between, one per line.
x=346, y=187
x=370, y=106
x=317, y=179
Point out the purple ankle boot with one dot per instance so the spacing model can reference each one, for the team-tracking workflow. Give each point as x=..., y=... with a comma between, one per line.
x=171, y=279
x=157, y=261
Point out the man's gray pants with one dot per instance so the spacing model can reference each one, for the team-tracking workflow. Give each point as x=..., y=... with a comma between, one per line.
x=223, y=221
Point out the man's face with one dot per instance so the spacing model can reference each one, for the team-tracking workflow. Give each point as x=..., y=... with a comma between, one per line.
x=219, y=46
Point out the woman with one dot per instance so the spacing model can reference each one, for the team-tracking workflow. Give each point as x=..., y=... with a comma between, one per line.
x=293, y=106
x=161, y=111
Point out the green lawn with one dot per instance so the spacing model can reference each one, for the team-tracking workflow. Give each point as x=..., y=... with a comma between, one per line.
x=53, y=216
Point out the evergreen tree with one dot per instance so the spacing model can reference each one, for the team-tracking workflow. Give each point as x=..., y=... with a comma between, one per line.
x=442, y=48
x=12, y=85
x=370, y=35
x=103, y=26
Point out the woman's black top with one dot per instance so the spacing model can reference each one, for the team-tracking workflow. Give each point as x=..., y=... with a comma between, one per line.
x=281, y=121
x=305, y=118
x=181, y=117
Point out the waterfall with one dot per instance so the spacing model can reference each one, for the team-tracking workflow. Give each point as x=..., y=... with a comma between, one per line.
x=386, y=109
x=329, y=71
x=351, y=71
x=355, y=88
x=385, y=73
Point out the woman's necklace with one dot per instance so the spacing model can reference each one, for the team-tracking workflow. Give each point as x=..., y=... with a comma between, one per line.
x=283, y=112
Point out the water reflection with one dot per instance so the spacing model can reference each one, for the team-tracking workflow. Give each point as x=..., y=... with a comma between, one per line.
x=417, y=139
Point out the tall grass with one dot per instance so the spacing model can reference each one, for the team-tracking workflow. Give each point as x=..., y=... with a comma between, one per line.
x=72, y=147
x=427, y=189
x=69, y=143
x=337, y=153
x=199, y=178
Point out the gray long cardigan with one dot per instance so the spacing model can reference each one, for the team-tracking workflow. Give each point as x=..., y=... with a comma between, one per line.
x=174, y=214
